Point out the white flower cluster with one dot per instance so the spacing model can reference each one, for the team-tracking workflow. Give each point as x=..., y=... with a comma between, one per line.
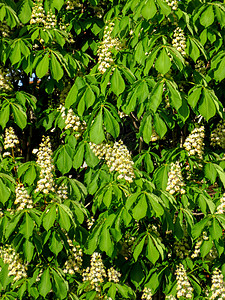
x=16, y=267
x=96, y=273
x=194, y=143
x=62, y=191
x=179, y=40
x=155, y=137
x=198, y=245
x=38, y=14
x=51, y=21
x=10, y=140
x=5, y=84
x=46, y=182
x=22, y=198
x=184, y=288
x=113, y=275
x=200, y=66
x=170, y=297
x=172, y=3
x=105, y=57
x=117, y=158
x=182, y=248
x=175, y=182
x=147, y=294
x=75, y=260
x=71, y=4
x=221, y=208
x=4, y=30
x=73, y=122
x=218, y=135
x=218, y=285
x=90, y=222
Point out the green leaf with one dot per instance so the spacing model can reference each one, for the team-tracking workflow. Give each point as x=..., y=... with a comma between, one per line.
x=64, y=219
x=174, y=95
x=108, y=197
x=4, y=115
x=89, y=97
x=64, y=160
x=55, y=243
x=156, y=96
x=79, y=156
x=210, y=172
x=159, y=125
x=117, y=82
x=138, y=249
x=164, y=7
x=219, y=73
x=15, y=55
x=206, y=247
x=207, y=17
x=157, y=208
x=96, y=132
x=49, y=217
x=28, y=249
x=193, y=50
x=199, y=227
x=151, y=252
x=140, y=210
x=25, y=12
x=43, y=65
x=4, y=192
x=163, y=63
x=149, y=9
x=72, y=96
x=105, y=243
x=194, y=95
x=147, y=128
x=90, y=157
x=206, y=106
x=55, y=67
x=139, y=54
x=45, y=283
x=11, y=225
x=27, y=227
x=215, y=230
x=58, y=4
x=19, y=115
x=111, y=124
x=161, y=177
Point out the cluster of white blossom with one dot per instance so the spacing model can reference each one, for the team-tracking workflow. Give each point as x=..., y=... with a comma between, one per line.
x=73, y=122
x=109, y=44
x=50, y=21
x=22, y=197
x=170, y=297
x=10, y=140
x=113, y=275
x=194, y=143
x=200, y=66
x=147, y=294
x=46, y=182
x=71, y=4
x=90, y=222
x=155, y=137
x=38, y=13
x=172, y=3
x=96, y=273
x=16, y=267
x=175, y=182
x=4, y=30
x=184, y=288
x=117, y=158
x=218, y=285
x=62, y=191
x=182, y=248
x=179, y=40
x=200, y=240
x=218, y=135
x=5, y=84
x=221, y=208
x=75, y=260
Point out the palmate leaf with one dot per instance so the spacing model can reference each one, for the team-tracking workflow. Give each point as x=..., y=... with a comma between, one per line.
x=97, y=134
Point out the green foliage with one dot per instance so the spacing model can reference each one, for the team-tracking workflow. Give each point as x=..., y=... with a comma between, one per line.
x=111, y=148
